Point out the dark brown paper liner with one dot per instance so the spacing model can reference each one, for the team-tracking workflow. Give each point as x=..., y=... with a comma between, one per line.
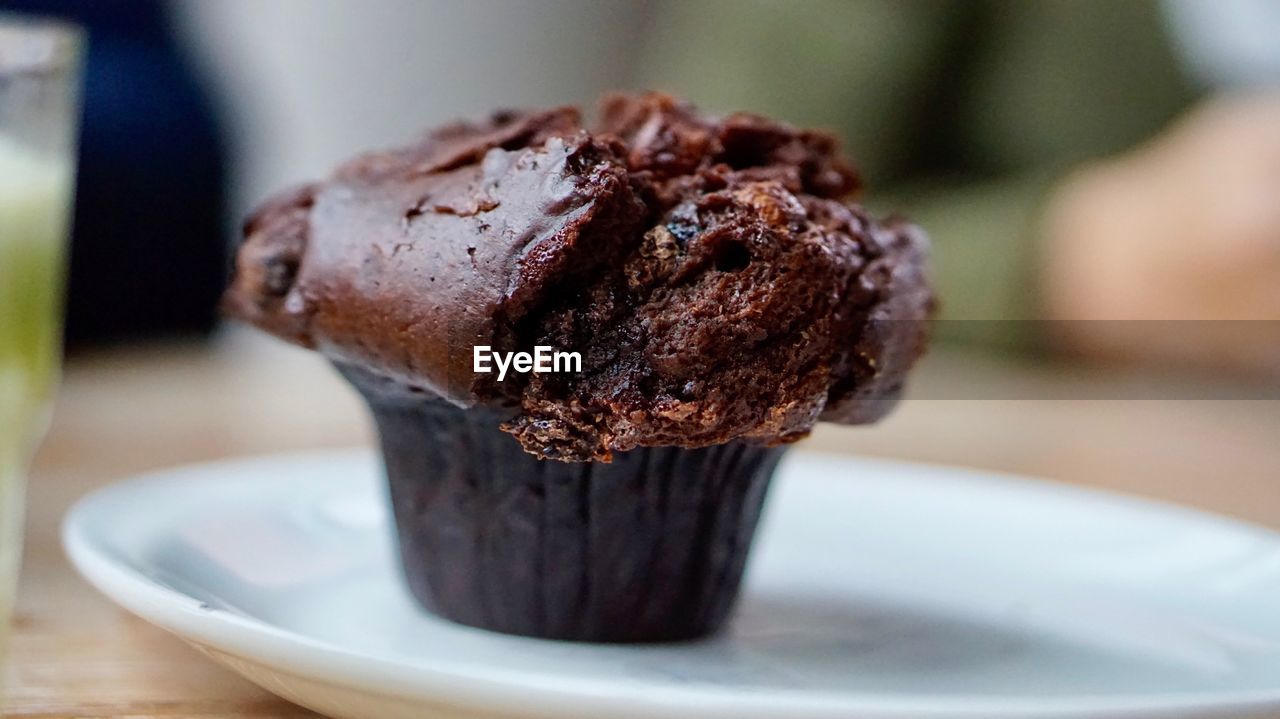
x=650, y=547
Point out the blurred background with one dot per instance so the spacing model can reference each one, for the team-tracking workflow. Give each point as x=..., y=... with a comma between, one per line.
x=1073, y=161
x=1100, y=178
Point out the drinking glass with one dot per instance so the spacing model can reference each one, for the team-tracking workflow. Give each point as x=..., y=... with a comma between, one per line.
x=39, y=112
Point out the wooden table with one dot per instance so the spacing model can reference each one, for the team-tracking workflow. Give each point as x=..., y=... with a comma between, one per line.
x=76, y=655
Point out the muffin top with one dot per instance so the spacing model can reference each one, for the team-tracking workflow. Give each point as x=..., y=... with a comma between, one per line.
x=713, y=274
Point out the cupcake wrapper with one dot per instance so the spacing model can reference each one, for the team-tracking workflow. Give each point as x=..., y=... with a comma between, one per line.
x=650, y=547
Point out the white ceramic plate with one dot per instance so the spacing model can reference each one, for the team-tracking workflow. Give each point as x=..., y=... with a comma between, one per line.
x=877, y=590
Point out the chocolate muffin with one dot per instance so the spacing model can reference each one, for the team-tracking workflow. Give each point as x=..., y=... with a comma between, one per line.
x=723, y=294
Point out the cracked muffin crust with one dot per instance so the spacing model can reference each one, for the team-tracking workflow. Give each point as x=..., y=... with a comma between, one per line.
x=713, y=273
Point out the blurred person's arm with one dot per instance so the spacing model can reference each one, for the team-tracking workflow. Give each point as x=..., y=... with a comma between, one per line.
x=1171, y=251
x=965, y=115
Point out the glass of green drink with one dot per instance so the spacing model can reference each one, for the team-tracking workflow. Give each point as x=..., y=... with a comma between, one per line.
x=39, y=112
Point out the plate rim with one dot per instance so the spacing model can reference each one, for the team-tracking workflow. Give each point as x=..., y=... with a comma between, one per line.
x=265, y=644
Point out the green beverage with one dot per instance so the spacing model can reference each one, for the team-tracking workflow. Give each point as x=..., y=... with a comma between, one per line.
x=35, y=189
x=38, y=113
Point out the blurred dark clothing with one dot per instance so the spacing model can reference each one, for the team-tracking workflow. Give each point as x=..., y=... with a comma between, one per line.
x=148, y=255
